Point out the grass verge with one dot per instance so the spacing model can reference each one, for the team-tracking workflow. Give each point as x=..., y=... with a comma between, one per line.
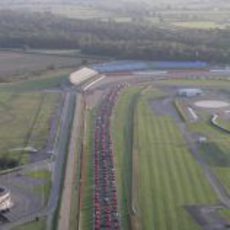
x=36, y=225
x=87, y=180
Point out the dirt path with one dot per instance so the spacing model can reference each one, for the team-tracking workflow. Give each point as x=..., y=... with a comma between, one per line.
x=66, y=201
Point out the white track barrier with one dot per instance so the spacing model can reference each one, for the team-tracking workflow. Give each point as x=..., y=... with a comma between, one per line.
x=214, y=118
x=93, y=83
x=192, y=112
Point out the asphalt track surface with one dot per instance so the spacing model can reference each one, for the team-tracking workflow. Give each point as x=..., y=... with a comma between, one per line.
x=66, y=200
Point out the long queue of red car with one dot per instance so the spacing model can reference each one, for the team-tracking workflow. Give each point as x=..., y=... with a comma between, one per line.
x=105, y=194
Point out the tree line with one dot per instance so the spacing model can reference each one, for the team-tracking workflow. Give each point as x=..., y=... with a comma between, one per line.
x=109, y=38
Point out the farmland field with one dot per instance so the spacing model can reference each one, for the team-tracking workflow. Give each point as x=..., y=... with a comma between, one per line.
x=32, y=65
x=224, y=176
x=25, y=121
x=167, y=178
x=199, y=25
x=66, y=10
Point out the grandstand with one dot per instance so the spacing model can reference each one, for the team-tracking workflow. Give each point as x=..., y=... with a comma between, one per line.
x=178, y=65
x=129, y=66
x=120, y=66
x=82, y=75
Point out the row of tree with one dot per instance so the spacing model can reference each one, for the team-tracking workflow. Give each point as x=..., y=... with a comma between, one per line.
x=121, y=40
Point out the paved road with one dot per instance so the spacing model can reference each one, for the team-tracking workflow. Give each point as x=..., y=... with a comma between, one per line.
x=66, y=201
x=60, y=151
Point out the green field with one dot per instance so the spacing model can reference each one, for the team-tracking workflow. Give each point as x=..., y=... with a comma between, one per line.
x=87, y=180
x=224, y=123
x=122, y=129
x=216, y=151
x=36, y=225
x=167, y=178
x=24, y=121
x=66, y=10
x=224, y=176
x=199, y=25
x=225, y=213
x=219, y=84
x=45, y=188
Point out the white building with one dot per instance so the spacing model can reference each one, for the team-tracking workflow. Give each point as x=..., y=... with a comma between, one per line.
x=192, y=92
x=202, y=140
x=5, y=199
x=82, y=75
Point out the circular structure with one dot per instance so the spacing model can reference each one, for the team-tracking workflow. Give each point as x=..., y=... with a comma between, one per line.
x=5, y=199
x=211, y=104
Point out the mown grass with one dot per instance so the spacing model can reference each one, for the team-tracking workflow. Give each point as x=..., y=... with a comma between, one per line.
x=224, y=176
x=75, y=196
x=36, y=225
x=225, y=213
x=35, y=84
x=225, y=124
x=42, y=175
x=167, y=177
x=209, y=83
x=86, y=216
x=44, y=189
x=215, y=155
x=122, y=126
x=24, y=121
x=215, y=152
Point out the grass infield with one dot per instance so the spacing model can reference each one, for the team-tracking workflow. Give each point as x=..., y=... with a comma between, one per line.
x=166, y=176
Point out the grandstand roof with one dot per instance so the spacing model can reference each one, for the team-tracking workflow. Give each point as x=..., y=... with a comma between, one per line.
x=81, y=75
x=127, y=65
